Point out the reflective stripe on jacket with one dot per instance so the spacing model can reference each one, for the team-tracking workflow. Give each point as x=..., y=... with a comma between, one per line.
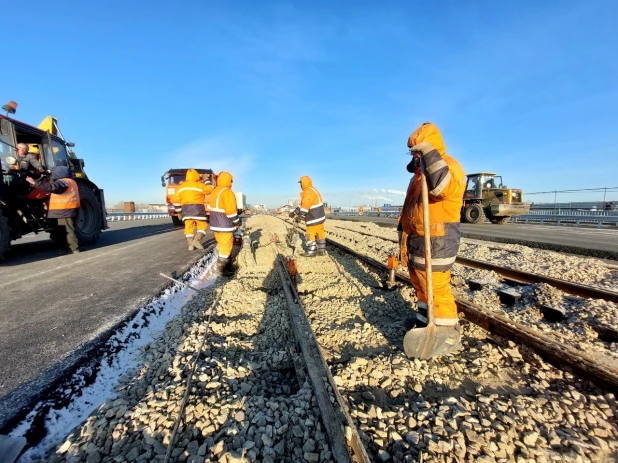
x=223, y=210
x=446, y=184
x=311, y=205
x=66, y=204
x=191, y=195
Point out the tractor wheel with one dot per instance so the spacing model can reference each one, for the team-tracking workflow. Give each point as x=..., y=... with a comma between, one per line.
x=501, y=220
x=5, y=235
x=177, y=220
x=90, y=217
x=474, y=213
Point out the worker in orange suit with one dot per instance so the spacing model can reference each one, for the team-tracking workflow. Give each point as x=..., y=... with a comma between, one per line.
x=311, y=210
x=190, y=196
x=224, y=220
x=446, y=184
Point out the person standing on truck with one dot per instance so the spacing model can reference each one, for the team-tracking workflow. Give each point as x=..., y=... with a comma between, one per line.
x=224, y=220
x=191, y=196
x=63, y=206
x=446, y=183
x=311, y=210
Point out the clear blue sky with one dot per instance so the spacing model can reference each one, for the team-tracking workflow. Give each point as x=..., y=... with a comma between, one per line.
x=274, y=90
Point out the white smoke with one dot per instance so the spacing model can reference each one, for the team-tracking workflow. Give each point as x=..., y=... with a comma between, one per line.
x=376, y=197
x=390, y=192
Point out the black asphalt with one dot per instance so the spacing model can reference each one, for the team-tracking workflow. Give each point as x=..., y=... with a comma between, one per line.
x=53, y=307
x=595, y=242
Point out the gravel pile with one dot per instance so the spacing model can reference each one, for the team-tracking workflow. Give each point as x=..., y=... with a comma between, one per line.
x=246, y=402
x=491, y=402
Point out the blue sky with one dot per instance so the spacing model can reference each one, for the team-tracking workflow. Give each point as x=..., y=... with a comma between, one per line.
x=274, y=90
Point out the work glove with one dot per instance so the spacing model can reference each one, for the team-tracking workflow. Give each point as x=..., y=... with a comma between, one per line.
x=423, y=148
x=298, y=219
x=292, y=214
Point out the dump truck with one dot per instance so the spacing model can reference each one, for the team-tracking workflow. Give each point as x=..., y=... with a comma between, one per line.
x=486, y=197
x=23, y=209
x=171, y=179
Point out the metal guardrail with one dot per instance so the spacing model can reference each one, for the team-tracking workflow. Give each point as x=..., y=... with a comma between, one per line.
x=122, y=216
x=577, y=218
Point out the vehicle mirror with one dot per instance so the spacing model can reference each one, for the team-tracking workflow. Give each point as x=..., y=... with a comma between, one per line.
x=71, y=144
x=4, y=127
x=162, y=180
x=11, y=161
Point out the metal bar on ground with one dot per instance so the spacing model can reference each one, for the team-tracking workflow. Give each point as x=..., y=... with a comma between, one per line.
x=334, y=420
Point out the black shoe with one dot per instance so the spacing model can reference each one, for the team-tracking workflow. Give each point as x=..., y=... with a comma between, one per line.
x=409, y=323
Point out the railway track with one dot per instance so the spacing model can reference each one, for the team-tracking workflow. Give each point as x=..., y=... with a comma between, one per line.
x=519, y=276
x=313, y=370
x=503, y=331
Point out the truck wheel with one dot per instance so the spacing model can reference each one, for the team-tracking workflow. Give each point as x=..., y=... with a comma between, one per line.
x=5, y=235
x=474, y=213
x=501, y=220
x=177, y=221
x=88, y=223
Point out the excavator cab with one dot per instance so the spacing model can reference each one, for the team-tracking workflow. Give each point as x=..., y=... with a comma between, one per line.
x=486, y=197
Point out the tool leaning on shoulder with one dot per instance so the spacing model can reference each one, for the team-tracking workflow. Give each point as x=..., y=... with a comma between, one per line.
x=429, y=243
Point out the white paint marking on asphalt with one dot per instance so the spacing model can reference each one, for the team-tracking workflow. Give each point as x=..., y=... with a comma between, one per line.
x=87, y=259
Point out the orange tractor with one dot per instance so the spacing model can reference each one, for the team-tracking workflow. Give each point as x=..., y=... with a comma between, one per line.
x=171, y=180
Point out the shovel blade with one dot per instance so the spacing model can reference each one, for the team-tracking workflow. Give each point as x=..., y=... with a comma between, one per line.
x=433, y=341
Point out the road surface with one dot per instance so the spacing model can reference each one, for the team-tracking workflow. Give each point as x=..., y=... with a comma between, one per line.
x=595, y=242
x=53, y=306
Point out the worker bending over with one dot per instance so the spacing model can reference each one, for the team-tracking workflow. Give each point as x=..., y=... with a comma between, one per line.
x=224, y=220
x=63, y=206
x=312, y=211
x=446, y=184
x=191, y=196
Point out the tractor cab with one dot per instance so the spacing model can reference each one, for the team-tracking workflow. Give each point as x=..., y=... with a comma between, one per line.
x=480, y=182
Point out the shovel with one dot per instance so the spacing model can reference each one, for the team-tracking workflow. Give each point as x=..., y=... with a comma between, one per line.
x=432, y=341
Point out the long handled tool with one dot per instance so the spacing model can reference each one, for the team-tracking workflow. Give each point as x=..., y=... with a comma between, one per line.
x=432, y=341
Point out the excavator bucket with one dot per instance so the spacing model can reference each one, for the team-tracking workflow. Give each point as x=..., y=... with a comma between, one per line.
x=432, y=341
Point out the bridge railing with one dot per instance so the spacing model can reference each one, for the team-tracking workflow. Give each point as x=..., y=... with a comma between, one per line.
x=123, y=216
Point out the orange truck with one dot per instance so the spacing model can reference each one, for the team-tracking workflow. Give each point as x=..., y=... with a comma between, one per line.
x=171, y=181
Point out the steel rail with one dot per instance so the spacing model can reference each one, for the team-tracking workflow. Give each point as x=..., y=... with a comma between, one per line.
x=569, y=287
x=553, y=351
x=346, y=446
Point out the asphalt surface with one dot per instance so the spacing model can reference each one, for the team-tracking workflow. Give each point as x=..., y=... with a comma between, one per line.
x=54, y=307
x=594, y=242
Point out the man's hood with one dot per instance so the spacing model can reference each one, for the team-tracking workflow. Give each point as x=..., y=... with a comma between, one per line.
x=61, y=172
x=192, y=175
x=305, y=182
x=428, y=132
x=224, y=179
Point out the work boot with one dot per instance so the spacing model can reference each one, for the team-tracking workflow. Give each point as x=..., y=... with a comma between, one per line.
x=197, y=241
x=311, y=250
x=322, y=247
x=190, y=243
x=420, y=321
x=221, y=263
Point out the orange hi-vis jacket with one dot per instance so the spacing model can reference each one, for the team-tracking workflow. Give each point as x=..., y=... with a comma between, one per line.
x=311, y=205
x=66, y=204
x=190, y=195
x=446, y=183
x=223, y=208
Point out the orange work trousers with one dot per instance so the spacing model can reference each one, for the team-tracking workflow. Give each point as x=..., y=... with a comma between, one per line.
x=225, y=243
x=316, y=230
x=445, y=310
x=191, y=224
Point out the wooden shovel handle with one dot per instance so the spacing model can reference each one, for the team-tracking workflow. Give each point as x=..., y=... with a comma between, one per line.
x=428, y=275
